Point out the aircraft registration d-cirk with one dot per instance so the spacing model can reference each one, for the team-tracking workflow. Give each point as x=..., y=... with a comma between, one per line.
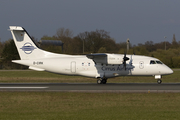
x=99, y=65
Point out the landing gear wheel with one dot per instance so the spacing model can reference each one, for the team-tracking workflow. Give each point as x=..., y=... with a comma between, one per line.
x=104, y=81
x=99, y=81
x=159, y=81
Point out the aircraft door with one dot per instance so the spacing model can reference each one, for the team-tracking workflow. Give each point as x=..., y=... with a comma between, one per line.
x=73, y=66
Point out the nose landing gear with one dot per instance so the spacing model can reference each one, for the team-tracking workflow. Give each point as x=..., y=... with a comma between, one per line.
x=158, y=77
x=159, y=81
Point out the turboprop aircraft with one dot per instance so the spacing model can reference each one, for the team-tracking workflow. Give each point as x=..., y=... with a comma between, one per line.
x=99, y=65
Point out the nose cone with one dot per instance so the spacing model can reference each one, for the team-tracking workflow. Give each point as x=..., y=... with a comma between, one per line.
x=170, y=71
x=165, y=70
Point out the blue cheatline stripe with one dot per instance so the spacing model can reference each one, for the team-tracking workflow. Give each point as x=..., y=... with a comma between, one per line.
x=28, y=48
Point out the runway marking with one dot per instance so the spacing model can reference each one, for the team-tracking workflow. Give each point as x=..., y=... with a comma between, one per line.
x=23, y=87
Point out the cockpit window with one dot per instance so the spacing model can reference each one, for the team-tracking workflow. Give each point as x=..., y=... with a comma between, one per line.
x=159, y=62
x=152, y=62
x=155, y=62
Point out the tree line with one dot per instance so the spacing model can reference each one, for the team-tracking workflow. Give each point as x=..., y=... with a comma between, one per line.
x=98, y=41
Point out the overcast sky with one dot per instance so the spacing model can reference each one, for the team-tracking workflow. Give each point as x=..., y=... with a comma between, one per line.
x=138, y=20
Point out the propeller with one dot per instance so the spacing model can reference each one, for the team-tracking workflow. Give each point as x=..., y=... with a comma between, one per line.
x=124, y=60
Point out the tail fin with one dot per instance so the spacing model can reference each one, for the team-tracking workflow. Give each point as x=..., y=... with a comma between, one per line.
x=26, y=47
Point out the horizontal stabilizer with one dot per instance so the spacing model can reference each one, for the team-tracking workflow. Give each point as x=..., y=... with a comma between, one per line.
x=16, y=28
x=35, y=68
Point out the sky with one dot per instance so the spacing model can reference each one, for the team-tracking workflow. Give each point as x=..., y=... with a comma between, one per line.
x=138, y=20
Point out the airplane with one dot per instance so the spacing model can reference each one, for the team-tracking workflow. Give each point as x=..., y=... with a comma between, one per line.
x=96, y=65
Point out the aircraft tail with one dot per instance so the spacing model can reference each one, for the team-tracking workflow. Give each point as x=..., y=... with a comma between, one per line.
x=26, y=47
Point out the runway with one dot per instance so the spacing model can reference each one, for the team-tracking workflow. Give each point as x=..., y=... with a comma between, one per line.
x=92, y=87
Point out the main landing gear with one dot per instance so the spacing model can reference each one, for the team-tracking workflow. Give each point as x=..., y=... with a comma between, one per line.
x=102, y=81
x=159, y=81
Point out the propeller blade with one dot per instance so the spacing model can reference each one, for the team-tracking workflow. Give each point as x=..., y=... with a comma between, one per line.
x=124, y=60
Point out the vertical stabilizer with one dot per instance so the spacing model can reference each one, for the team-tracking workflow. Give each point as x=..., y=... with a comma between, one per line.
x=26, y=47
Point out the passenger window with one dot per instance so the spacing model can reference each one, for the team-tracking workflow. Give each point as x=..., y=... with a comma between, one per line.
x=152, y=62
x=82, y=64
x=89, y=64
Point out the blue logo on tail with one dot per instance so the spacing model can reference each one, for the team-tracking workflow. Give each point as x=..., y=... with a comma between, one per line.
x=28, y=48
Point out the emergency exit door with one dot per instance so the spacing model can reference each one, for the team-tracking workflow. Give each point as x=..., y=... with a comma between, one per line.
x=73, y=66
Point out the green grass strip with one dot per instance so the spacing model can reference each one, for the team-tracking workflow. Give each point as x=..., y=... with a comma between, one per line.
x=28, y=76
x=89, y=106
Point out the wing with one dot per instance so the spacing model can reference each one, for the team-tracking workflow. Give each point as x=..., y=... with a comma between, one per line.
x=106, y=58
x=98, y=57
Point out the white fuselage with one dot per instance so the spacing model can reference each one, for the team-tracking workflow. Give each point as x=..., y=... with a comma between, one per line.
x=81, y=65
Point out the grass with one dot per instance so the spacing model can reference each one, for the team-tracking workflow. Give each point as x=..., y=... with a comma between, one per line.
x=89, y=106
x=36, y=76
x=29, y=76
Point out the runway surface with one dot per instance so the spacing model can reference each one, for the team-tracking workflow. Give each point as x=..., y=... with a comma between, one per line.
x=92, y=87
